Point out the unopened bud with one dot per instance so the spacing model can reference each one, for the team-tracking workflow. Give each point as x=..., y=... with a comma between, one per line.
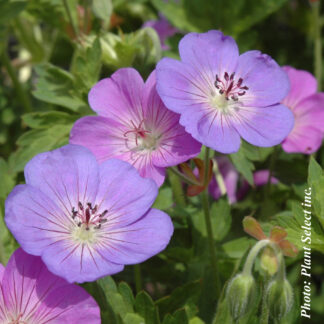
x=240, y=295
x=279, y=297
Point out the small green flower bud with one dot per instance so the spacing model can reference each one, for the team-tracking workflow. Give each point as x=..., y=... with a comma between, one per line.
x=240, y=294
x=279, y=297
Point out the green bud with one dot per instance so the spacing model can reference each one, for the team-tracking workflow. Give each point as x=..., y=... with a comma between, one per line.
x=240, y=295
x=279, y=297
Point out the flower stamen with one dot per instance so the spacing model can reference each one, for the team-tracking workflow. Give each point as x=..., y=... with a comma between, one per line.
x=88, y=216
x=138, y=130
x=229, y=88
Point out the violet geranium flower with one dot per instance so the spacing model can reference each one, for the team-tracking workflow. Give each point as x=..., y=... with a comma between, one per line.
x=86, y=220
x=222, y=96
x=234, y=191
x=133, y=125
x=308, y=108
x=163, y=28
x=29, y=293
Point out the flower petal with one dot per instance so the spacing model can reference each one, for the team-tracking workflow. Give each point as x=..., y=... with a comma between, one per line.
x=215, y=130
x=104, y=137
x=66, y=175
x=302, y=85
x=31, y=290
x=211, y=53
x=34, y=219
x=77, y=262
x=140, y=240
x=267, y=126
x=310, y=112
x=124, y=193
x=253, y=228
x=2, y=269
x=180, y=87
x=119, y=97
x=268, y=84
x=303, y=139
x=175, y=145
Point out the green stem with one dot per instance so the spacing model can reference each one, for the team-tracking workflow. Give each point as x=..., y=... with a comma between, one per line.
x=273, y=160
x=247, y=269
x=138, y=278
x=68, y=12
x=206, y=166
x=317, y=43
x=264, y=319
x=86, y=16
x=210, y=237
x=177, y=188
x=184, y=177
x=208, y=224
x=219, y=178
x=22, y=95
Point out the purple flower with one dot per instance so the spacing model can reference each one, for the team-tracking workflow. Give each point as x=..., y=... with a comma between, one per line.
x=133, y=125
x=29, y=293
x=222, y=96
x=163, y=28
x=308, y=108
x=230, y=176
x=86, y=220
x=231, y=181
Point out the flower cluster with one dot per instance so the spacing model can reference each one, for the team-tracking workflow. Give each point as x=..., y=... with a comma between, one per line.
x=85, y=210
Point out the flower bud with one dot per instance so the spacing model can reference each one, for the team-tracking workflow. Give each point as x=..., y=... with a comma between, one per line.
x=279, y=297
x=240, y=294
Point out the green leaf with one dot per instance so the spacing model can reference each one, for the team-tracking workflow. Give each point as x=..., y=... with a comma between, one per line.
x=316, y=181
x=87, y=64
x=57, y=86
x=292, y=222
x=255, y=153
x=164, y=199
x=37, y=141
x=133, y=319
x=127, y=294
x=315, y=171
x=7, y=179
x=102, y=9
x=236, y=248
x=10, y=9
x=7, y=243
x=221, y=219
x=243, y=165
x=144, y=306
x=179, y=297
x=41, y=120
x=199, y=16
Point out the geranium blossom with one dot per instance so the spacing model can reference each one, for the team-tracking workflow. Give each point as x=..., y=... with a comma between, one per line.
x=133, y=125
x=223, y=96
x=163, y=28
x=86, y=220
x=308, y=108
x=29, y=293
x=234, y=191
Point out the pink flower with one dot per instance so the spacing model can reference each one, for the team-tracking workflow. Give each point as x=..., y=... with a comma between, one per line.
x=29, y=293
x=163, y=28
x=134, y=125
x=308, y=107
